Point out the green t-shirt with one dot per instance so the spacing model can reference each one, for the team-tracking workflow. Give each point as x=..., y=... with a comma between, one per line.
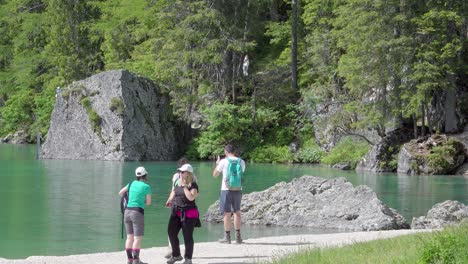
x=137, y=194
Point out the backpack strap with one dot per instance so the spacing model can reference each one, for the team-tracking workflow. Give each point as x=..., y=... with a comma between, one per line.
x=128, y=192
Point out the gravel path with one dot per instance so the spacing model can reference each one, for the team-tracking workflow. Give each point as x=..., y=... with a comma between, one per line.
x=251, y=251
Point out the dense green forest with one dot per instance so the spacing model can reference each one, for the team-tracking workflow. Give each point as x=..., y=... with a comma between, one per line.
x=379, y=64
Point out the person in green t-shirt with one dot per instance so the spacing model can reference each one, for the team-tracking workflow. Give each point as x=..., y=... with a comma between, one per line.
x=139, y=195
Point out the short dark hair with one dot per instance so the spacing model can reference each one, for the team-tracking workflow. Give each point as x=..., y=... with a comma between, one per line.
x=230, y=149
x=142, y=177
x=182, y=161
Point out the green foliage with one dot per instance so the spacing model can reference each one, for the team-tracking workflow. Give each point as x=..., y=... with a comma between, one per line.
x=310, y=152
x=372, y=61
x=447, y=246
x=116, y=105
x=229, y=123
x=442, y=157
x=347, y=150
x=309, y=155
x=94, y=118
x=272, y=154
x=16, y=114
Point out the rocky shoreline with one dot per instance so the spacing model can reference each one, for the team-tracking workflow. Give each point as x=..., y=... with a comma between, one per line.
x=335, y=203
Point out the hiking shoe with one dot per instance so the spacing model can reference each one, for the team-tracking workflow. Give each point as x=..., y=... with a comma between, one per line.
x=138, y=261
x=238, y=239
x=187, y=261
x=226, y=239
x=173, y=260
x=168, y=255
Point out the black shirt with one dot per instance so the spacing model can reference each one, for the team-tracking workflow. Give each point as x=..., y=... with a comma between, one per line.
x=181, y=200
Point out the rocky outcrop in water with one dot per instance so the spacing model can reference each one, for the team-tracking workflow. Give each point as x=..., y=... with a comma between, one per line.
x=20, y=137
x=316, y=202
x=379, y=158
x=114, y=115
x=436, y=154
x=441, y=215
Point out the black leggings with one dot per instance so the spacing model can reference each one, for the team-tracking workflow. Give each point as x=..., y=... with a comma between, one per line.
x=173, y=228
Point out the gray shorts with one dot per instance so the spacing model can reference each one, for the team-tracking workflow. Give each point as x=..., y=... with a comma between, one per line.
x=134, y=223
x=230, y=201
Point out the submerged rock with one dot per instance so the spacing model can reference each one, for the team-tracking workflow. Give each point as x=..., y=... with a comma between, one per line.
x=316, y=202
x=114, y=115
x=441, y=215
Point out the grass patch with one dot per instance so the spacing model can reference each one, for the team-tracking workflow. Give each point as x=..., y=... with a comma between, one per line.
x=272, y=154
x=116, y=106
x=347, y=150
x=94, y=118
x=447, y=246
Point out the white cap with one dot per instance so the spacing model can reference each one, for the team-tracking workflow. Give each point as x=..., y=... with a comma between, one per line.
x=140, y=171
x=186, y=167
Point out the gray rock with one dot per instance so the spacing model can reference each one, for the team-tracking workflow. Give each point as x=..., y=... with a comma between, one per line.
x=441, y=215
x=414, y=156
x=342, y=166
x=316, y=202
x=379, y=158
x=462, y=170
x=114, y=115
x=7, y=138
x=20, y=137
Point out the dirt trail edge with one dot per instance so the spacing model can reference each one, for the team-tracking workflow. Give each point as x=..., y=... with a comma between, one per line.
x=251, y=251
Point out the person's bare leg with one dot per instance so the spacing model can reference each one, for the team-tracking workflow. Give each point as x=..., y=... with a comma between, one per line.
x=237, y=226
x=227, y=228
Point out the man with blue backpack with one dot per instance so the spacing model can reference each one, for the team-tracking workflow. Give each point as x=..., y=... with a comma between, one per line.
x=232, y=169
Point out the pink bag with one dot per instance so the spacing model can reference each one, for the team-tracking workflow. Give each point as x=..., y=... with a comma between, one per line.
x=189, y=213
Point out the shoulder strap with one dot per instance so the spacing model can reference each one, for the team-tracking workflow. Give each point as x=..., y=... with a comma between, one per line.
x=128, y=191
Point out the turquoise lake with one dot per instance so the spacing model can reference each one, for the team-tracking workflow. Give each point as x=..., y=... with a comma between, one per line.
x=63, y=207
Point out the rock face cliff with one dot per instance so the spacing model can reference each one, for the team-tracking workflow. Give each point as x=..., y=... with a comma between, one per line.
x=316, y=202
x=114, y=115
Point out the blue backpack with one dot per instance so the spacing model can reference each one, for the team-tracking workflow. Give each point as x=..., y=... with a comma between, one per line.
x=234, y=174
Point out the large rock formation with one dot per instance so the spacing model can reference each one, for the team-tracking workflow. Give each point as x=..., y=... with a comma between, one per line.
x=441, y=215
x=463, y=138
x=380, y=157
x=114, y=115
x=316, y=202
x=436, y=154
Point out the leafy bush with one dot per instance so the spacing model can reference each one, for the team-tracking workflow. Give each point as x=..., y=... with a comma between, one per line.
x=234, y=124
x=447, y=246
x=309, y=155
x=272, y=154
x=347, y=150
x=17, y=112
x=441, y=157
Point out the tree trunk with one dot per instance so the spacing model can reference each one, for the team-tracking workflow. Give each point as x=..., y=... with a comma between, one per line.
x=274, y=11
x=450, y=115
x=423, y=120
x=294, y=45
x=415, y=125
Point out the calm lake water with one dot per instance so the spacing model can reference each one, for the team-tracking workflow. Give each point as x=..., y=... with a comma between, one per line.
x=62, y=207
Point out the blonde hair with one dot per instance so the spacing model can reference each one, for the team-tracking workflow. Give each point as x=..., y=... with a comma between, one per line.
x=190, y=178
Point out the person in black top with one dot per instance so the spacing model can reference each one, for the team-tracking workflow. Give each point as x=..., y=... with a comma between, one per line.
x=184, y=214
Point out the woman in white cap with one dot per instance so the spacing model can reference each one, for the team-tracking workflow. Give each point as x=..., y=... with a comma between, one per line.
x=184, y=214
x=139, y=195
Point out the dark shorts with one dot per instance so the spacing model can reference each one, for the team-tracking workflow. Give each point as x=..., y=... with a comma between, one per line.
x=134, y=222
x=230, y=201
